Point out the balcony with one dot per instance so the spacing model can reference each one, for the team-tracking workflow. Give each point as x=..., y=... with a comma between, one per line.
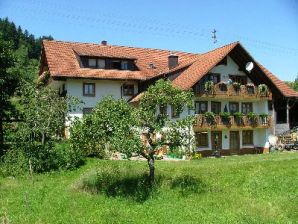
x=223, y=90
x=218, y=122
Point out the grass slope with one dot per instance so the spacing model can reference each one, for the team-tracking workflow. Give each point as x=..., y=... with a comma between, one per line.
x=240, y=189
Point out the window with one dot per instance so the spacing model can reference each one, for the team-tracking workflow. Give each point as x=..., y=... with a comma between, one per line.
x=116, y=64
x=128, y=90
x=214, y=77
x=87, y=110
x=92, y=63
x=247, y=138
x=239, y=78
x=101, y=63
x=88, y=89
x=163, y=110
x=202, y=139
x=175, y=114
x=246, y=108
x=124, y=65
x=216, y=107
x=234, y=107
x=201, y=107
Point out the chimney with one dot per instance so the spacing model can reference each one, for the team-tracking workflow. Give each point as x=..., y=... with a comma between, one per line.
x=104, y=42
x=172, y=61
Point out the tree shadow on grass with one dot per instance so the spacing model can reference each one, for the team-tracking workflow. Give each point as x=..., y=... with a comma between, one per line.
x=137, y=187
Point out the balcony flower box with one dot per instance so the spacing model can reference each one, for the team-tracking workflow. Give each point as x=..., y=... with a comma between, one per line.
x=225, y=118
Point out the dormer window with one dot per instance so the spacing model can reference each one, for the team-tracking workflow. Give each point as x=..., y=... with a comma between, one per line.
x=107, y=63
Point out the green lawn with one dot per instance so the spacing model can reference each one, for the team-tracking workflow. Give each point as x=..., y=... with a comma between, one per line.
x=238, y=189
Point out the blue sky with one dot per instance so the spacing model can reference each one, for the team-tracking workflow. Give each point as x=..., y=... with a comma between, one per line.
x=268, y=29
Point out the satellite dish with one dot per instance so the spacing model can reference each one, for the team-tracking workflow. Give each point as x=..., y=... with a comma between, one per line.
x=249, y=66
x=272, y=139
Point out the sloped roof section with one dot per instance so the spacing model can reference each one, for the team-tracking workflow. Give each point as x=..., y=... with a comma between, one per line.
x=63, y=60
x=202, y=66
x=284, y=88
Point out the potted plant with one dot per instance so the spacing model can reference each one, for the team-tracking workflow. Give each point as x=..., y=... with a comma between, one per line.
x=208, y=87
x=263, y=90
x=210, y=117
x=225, y=117
x=263, y=118
x=223, y=86
x=250, y=88
x=238, y=117
x=252, y=118
x=236, y=86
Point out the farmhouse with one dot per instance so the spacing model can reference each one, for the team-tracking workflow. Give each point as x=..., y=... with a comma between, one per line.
x=238, y=102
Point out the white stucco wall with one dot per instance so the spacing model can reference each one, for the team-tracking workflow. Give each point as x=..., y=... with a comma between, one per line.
x=230, y=69
x=74, y=87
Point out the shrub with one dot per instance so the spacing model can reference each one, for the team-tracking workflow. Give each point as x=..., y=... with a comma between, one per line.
x=14, y=163
x=43, y=158
x=197, y=156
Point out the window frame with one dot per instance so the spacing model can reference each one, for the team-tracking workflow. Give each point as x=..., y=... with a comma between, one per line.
x=217, y=103
x=199, y=103
x=163, y=110
x=89, y=94
x=250, y=106
x=174, y=112
x=202, y=143
x=125, y=93
x=236, y=103
x=245, y=135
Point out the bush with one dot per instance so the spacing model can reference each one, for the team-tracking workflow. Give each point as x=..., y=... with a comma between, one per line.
x=43, y=158
x=14, y=163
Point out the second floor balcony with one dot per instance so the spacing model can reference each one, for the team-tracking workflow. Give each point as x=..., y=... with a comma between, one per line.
x=210, y=121
x=233, y=90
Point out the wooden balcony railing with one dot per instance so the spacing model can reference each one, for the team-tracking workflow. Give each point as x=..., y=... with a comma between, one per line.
x=223, y=90
x=219, y=122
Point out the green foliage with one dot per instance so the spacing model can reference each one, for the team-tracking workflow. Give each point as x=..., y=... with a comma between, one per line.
x=294, y=84
x=208, y=87
x=179, y=134
x=14, y=163
x=263, y=90
x=162, y=93
x=235, y=189
x=251, y=115
x=263, y=115
x=209, y=115
x=225, y=115
x=236, y=85
x=238, y=114
x=42, y=157
x=43, y=112
x=110, y=127
x=20, y=38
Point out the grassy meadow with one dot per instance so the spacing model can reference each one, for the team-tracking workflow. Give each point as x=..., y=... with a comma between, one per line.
x=236, y=189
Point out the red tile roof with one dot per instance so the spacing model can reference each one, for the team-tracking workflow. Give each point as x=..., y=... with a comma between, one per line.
x=284, y=88
x=62, y=58
x=202, y=66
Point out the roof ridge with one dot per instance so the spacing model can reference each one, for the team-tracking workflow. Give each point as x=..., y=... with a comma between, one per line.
x=112, y=45
x=227, y=45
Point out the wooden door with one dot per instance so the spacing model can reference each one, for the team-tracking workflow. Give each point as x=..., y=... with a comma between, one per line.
x=234, y=142
x=216, y=140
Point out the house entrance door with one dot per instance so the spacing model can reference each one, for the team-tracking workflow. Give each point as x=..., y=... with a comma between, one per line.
x=216, y=140
x=234, y=142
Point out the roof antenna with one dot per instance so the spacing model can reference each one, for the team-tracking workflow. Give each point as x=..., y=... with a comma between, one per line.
x=214, y=36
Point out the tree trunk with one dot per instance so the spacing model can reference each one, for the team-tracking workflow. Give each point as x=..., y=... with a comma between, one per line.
x=151, y=169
